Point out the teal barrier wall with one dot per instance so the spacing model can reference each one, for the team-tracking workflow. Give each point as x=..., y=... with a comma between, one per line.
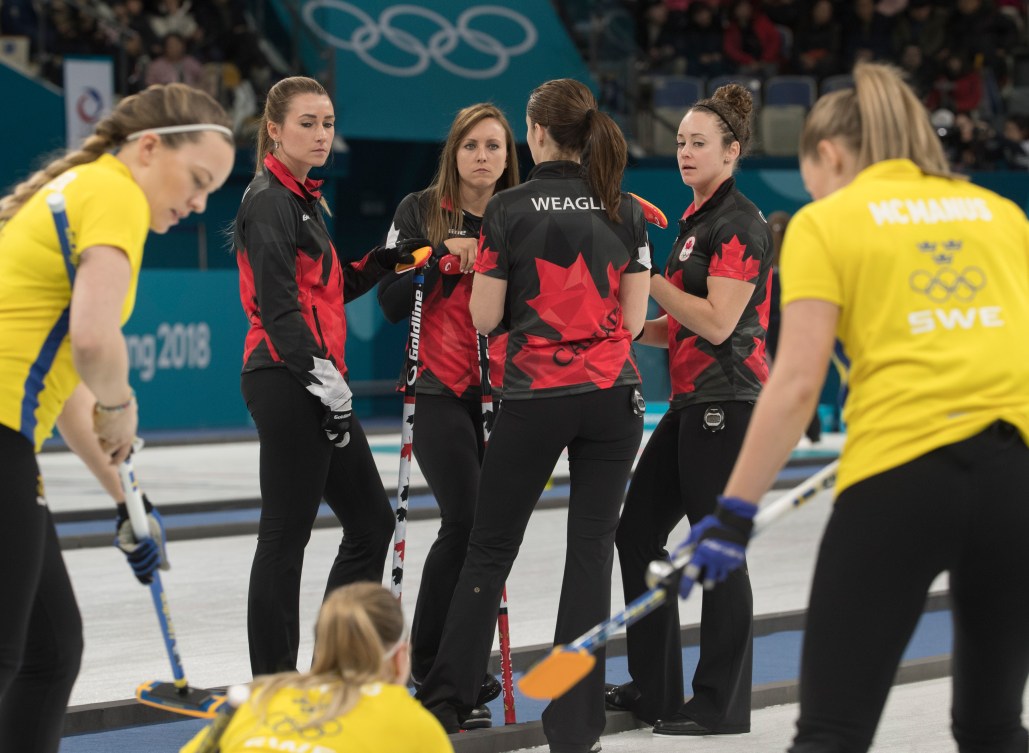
x=33, y=125
x=185, y=343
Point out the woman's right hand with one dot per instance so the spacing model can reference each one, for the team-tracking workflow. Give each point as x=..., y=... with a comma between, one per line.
x=464, y=249
x=116, y=430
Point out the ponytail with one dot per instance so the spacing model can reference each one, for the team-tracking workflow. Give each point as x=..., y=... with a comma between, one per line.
x=568, y=110
x=359, y=628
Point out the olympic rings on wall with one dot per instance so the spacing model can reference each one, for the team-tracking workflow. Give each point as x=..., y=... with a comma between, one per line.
x=370, y=32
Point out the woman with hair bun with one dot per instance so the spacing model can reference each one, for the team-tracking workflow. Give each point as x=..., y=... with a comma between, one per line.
x=715, y=292
x=562, y=265
x=924, y=277
x=353, y=698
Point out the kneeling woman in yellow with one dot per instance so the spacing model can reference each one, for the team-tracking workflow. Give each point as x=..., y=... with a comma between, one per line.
x=353, y=699
x=151, y=162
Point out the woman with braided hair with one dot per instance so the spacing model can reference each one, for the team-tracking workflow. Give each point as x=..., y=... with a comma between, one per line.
x=154, y=160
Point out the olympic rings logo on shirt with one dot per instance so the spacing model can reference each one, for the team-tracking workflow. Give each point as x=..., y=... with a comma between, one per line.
x=947, y=283
x=283, y=724
x=369, y=33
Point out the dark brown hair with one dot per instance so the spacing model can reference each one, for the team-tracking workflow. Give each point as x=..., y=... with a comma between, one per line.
x=568, y=110
x=732, y=106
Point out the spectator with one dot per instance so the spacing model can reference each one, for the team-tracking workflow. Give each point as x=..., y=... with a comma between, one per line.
x=131, y=67
x=175, y=65
x=816, y=44
x=924, y=26
x=971, y=144
x=224, y=35
x=664, y=32
x=1016, y=142
x=958, y=87
x=867, y=35
x=751, y=42
x=703, y=41
x=175, y=16
x=917, y=70
x=978, y=32
x=133, y=15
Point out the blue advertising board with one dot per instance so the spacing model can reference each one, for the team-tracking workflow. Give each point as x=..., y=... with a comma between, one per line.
x=185, y=342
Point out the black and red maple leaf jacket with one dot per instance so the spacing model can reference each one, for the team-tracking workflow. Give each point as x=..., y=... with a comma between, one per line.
x=563, y=259
x=726, y=237
x=292, y=284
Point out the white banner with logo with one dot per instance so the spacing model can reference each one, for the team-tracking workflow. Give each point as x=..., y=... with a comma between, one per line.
x=88, y=95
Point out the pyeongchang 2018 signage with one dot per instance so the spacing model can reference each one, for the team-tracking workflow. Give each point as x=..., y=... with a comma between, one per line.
x=404, y=70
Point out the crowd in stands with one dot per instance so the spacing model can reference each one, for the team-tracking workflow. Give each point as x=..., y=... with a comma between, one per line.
x=961, y=56
x=208, y=44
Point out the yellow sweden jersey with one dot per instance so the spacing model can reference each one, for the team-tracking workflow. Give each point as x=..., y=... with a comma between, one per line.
x=105, y=207
x=932, y=279
x=385, y=720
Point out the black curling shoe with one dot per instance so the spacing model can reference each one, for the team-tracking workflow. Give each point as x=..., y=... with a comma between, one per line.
x=490, y=689
x=621, y=697
x=480, y=718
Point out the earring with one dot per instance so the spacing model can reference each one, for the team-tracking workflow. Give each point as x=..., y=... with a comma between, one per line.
x=275, y=146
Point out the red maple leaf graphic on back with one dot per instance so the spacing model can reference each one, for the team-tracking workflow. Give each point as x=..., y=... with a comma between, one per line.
x=592, y=346
x=730, y=262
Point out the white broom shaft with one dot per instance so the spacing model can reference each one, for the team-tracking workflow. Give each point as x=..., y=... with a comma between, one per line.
x=133, y=500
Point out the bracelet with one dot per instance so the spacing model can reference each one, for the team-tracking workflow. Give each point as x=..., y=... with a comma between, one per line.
x=98, y=408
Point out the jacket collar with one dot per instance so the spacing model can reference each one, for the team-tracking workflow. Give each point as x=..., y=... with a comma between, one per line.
x=307, y=190
x=716, y=198
x=558, y=169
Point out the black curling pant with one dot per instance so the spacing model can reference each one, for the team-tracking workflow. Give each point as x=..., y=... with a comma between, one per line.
x=682, y=470
x=963, y=509
x=602, y=436
x=298, y=468
x=448, y=446
x=40, y=627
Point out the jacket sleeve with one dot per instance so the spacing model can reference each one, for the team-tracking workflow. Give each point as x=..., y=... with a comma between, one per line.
x=270, y=244
x=396, y=291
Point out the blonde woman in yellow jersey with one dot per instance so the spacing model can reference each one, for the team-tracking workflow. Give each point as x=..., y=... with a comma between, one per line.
x=925, y=279
x=151, y=162
x=354, y=699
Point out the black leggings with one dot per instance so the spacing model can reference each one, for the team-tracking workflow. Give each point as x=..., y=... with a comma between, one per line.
x=448, y=445
x=682, y=470
x=602, y=436
x=41, y=632
x=300, y=467
x=961, y=508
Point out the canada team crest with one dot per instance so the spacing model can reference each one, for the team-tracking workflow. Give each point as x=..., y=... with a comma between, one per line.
x=687, y=248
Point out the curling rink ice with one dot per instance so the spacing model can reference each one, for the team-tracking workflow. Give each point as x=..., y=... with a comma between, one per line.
x=207, y=590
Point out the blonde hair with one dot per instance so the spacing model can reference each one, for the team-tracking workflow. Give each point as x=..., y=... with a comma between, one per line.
x=732, y=105
x=446, y=185
x=158, y=105
x=568, y=110
x=881, y=118
x=358, y=630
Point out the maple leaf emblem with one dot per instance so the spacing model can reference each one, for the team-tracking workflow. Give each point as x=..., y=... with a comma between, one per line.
x=485, y=257
x=731, y=262
x=592, y=345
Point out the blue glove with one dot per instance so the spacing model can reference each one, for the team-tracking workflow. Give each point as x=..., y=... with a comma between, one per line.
x=720, y=542
x=147, y=555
